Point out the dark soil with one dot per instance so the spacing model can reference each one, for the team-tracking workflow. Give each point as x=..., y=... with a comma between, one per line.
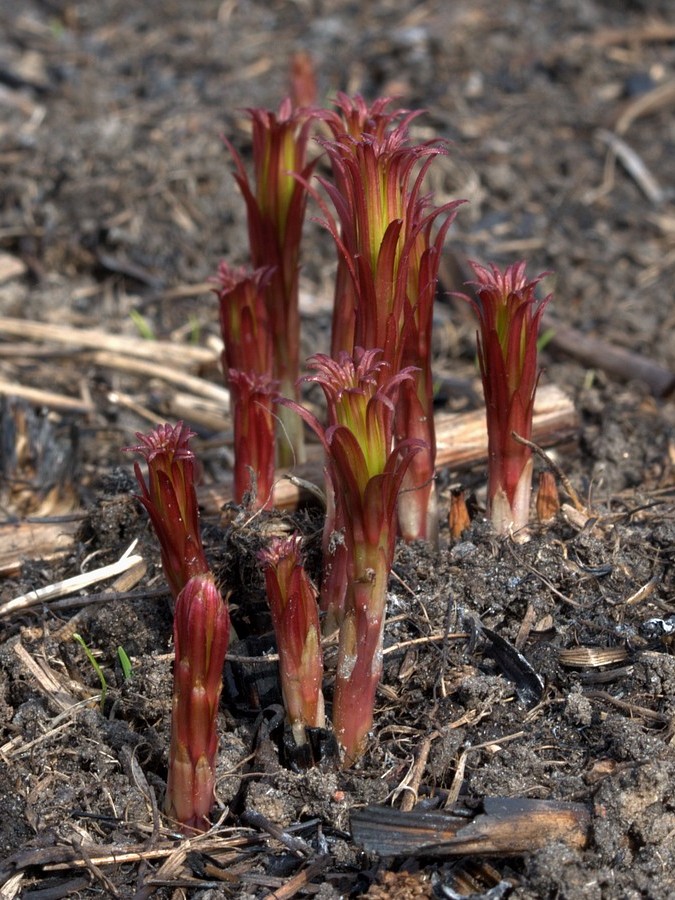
x=116, y=197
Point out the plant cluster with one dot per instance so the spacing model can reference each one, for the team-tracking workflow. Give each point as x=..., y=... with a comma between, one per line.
x=378, y=435
x=201, y=624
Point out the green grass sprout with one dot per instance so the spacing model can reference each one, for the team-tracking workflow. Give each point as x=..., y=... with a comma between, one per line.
x=125, y=662
x=96, y=667
x=143, y=327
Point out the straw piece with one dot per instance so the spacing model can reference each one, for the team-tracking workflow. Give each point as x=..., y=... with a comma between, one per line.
x=170, y=373
x=184, y=354
x=44, y=398
x=70, y=585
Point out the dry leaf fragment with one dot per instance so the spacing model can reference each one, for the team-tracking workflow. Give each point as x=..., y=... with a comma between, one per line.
x=508, y=826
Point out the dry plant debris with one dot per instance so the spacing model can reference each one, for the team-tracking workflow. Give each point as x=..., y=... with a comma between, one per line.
x=116, y=199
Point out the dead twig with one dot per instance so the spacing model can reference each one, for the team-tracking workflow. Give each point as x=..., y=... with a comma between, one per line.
x=652, y=32
x=295, y=844
x=660, y=97
x=139, y=348
x=616, y=361
x=295, y=884
x=40, y=397
x=631, y=709
x=564, y=480
x=409, y=787
x=122, y=362
x=17, y=746
x=421, y=641
x=97, y=874
x=633, y=164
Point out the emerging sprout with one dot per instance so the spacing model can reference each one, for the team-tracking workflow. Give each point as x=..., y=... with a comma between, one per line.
x=201, y=625
x=170, y=499
x=389, y=254
x=295, y=614
x=248, y=365
x=364, y=474
x=275, y=204
x=201, y=632
x=509, y=316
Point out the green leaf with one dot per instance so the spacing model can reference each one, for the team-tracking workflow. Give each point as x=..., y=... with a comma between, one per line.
x=545, y=338
x=142, y=325
x=95, y=666
x=125, y=662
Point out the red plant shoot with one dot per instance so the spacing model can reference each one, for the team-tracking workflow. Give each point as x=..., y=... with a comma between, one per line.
x=509, y=316
x=201, y=621
x=247, y=365
x=254, y=399
x=275, y=205
x=244, y=323
x=201, y=631
x=303, y=87
x=364, y=473
x=295, y=614
x=389, y=253
x=170, y=498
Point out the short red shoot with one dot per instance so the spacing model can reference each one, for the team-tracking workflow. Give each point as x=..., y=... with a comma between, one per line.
x=389, y=238
x=254, y=399
x=295, y=614
x=244, y=323
x=509, y=316
x=248, y=366
x=201, y=631
x=275, y=202
x=170, y=499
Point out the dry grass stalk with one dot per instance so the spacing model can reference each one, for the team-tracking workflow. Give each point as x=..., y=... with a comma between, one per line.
x=90, y=338
x=47, y=680
x=70, y=585
x=40, y=397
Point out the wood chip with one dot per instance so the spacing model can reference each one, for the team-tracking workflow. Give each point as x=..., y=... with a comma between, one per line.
x=509, y=826
x=592, y=657
x=32, y=539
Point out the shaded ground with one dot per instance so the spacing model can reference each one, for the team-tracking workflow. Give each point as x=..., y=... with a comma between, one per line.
x=116, y=197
